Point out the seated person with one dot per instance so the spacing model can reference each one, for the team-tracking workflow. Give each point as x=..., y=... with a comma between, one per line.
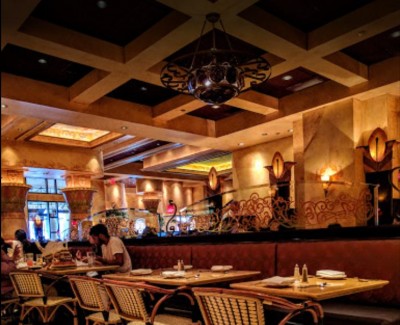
x=21, y=241
x=113, y=249
x=8, y=264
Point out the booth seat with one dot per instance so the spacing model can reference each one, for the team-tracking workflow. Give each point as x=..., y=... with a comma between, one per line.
x=369, y=259
x=257, y=256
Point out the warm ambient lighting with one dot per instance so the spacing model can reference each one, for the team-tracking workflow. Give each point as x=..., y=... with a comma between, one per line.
x=326, y=179
x=216, y=75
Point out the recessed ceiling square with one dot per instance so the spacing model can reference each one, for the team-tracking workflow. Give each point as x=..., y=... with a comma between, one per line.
x=377, y=48
x=210, y=113
x=289, y=83
x=309, y=15
x=35, y=65
x=141, y=92
x=118, y=21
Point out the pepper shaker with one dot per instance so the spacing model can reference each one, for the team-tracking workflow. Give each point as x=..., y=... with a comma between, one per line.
x=304, y=274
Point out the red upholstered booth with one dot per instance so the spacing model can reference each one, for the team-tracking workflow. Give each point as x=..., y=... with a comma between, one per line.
x=258, y=256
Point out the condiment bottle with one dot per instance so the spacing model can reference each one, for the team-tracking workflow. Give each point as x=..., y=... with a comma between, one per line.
x=179, y=265
x=182, y=266
x=304, y=274
x=297, y=272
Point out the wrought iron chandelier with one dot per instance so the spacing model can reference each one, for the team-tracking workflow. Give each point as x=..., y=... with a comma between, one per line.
x=216, y=75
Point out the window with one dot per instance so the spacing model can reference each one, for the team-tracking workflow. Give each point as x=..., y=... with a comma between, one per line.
x=43, y=185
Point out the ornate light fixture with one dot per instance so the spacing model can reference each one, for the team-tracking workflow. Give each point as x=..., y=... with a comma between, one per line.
x=216, y=75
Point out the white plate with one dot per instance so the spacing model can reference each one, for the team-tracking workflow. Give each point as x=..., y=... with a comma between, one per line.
x=141, y=272
x=186, y=267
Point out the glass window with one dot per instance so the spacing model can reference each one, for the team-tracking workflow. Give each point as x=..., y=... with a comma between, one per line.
x=48, y=220
x=51, y=186
x=38, y=185
x=60, y=185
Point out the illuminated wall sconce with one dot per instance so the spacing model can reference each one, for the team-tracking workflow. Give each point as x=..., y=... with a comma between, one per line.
x=279, y=172
x=326, y=179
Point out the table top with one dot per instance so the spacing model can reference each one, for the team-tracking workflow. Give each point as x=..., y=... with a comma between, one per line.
x=192, y=277
x=79, y=269
x=332, y=289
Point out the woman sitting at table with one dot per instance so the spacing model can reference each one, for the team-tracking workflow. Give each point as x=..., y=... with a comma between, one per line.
x=113, y=249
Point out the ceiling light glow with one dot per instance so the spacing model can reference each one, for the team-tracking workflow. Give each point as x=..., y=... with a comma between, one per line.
x=395, y=34
x=287, y=77
x=101, y=4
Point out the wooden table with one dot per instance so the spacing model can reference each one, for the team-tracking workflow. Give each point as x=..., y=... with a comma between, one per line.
x=333, y=288
x=79, y=269
x=190, y=278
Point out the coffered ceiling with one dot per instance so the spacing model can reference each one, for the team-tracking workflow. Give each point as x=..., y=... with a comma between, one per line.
x=96, y=65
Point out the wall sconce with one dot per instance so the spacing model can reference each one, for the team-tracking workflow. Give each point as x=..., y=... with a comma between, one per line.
x=326, y=179
x=326, y=182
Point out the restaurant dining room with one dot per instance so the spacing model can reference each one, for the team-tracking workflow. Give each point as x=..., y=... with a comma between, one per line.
x=207, y=162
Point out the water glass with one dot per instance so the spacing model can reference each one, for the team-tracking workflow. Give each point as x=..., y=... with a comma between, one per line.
x=29, y=259
x=91, y=256
x=39, y=259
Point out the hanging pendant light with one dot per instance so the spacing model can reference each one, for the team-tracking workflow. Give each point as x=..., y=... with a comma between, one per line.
x=216, y=75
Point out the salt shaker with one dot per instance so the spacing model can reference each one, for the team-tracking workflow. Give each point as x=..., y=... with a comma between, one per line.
x=297, y=272
x=304, y=274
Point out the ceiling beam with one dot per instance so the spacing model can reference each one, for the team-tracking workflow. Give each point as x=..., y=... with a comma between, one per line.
x=13, y=14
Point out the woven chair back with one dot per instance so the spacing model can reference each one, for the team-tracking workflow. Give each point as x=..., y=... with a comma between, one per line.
x=222, y=309
x=89, y=292
x=127, y=301
x=27, y=284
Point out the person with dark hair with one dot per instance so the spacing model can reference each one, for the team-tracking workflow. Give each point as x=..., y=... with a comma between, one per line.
x=113, y=249
x=8, y=264
x=27, y=246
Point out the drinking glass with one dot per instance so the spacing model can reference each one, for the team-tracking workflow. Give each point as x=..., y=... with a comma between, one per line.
x=29, y=259
x=91, y=256
x=39, y=259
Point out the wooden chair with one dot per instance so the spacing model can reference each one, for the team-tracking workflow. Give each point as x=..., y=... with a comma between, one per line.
x=237, y=307
x=91, y=295
x=29, y=288
x=130, y=305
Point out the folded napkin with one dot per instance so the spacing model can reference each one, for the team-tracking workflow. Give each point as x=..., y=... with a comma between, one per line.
x=278, y=281
x=216, y=268
x=173, y=274
x=330, y=273
x=141, y=271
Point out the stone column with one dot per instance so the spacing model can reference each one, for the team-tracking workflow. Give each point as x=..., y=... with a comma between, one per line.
x=13, y=200
x=79, y=196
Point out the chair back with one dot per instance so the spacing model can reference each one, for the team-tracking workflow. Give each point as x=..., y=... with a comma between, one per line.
x=127, y=300
x=89, y=292
x=27, y=284
x=235, y=307
x=220, y=308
